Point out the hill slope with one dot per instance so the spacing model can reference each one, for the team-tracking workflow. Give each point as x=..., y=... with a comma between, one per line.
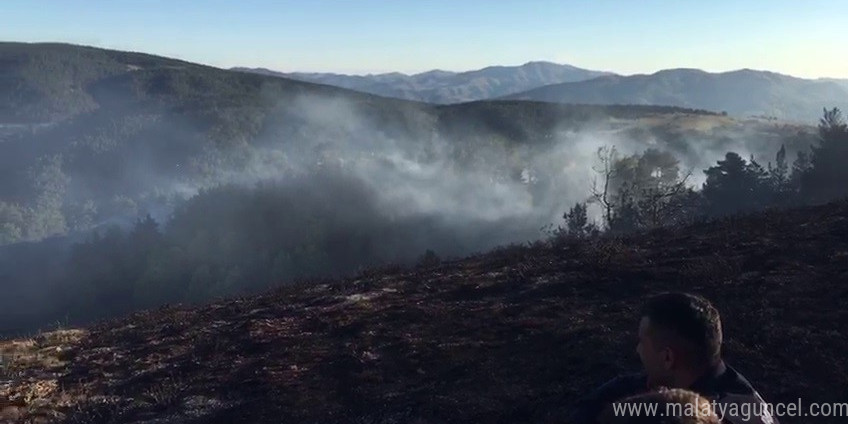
x=511, y=336
x=45, y=82
x=111, y=123
x=444, y=87
x=49, y=82
x=741, y=93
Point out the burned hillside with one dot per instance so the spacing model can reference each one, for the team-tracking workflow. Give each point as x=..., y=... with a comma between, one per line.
x=512, y=336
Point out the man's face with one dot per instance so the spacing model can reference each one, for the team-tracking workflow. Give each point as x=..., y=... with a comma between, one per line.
x=656, y=358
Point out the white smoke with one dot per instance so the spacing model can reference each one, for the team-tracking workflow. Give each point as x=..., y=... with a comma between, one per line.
x=523, y=186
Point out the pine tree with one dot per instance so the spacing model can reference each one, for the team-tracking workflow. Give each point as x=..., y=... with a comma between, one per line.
x=577, y=220
x=827, y=176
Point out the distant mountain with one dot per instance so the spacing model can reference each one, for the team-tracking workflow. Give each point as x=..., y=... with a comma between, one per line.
x=443, y=87
x=741, y=93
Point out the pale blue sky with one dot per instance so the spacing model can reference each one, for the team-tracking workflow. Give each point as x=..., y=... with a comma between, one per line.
x=806, y=38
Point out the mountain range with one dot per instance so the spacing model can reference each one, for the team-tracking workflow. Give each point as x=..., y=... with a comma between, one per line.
x=741, y=93
x=441, y=87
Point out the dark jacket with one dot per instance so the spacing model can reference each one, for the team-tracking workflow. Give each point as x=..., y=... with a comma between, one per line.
x=722, y=384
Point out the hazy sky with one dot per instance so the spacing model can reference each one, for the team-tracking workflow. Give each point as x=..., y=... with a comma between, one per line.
x=806, y=38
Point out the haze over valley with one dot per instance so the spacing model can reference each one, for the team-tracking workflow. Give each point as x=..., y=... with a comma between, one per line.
x=115, y=137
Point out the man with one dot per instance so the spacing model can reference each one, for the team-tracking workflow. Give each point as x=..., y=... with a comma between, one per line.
x=666, y=406
x=680, y=347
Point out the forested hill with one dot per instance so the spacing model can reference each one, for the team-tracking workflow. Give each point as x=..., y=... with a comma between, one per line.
x=48, y=82
x=88, y=135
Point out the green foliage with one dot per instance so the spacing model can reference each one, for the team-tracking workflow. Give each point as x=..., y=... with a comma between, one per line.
x=577, y=223
x=779, y=176
x=80, y=215
x=50, y=182
x=734, y=185
x=47, y=82
x=12, y=223
x=44, y=216
x=817, y=176
x=576, y=219
x=800, y=168
x=827, y=176
x=640, y=191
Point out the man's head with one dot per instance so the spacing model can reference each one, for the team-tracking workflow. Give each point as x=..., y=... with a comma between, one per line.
x=679, y=338
x=664, y=406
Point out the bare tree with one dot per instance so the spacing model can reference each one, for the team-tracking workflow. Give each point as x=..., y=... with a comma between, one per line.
x=657, y=204
x=639, y=191
x=607, y=156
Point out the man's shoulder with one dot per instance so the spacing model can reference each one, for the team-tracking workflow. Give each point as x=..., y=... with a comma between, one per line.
x=737, y=383
x=737, y=401
x=724, y=380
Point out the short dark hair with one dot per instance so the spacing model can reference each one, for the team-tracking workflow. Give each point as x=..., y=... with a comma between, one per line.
x=673, y=406
x=691, y=318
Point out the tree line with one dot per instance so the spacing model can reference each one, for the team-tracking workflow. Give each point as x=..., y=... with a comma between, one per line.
x=649, y=189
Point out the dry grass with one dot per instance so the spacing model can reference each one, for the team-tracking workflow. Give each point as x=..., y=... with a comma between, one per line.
x=35, y=364
x=48, y=350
